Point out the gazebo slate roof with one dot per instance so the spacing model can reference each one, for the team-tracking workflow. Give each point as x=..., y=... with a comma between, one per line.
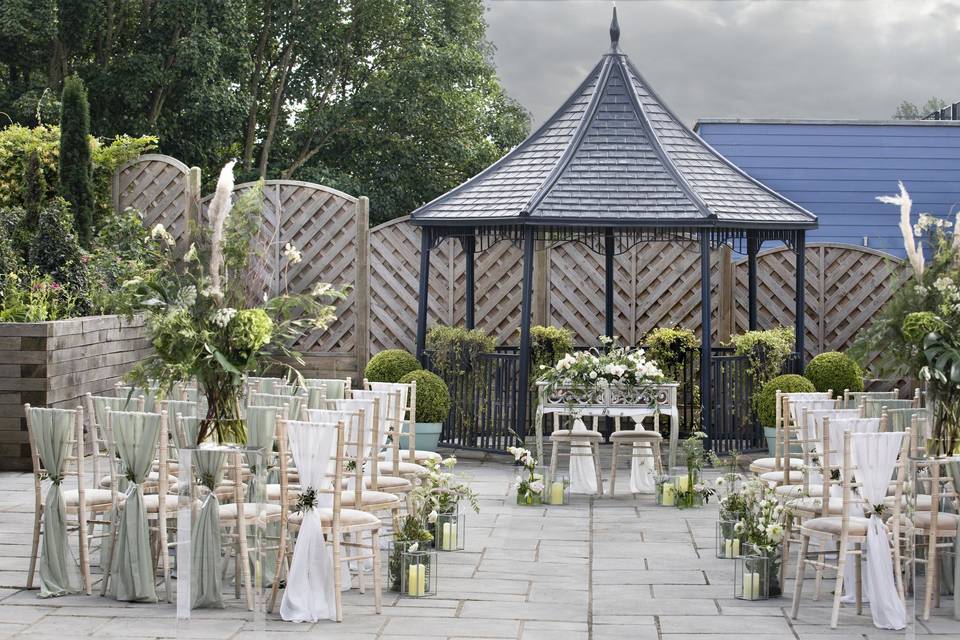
x=614, y=155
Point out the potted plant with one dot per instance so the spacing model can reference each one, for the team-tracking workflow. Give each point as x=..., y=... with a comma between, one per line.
x=529, y=483
x=433, y=407
x=203, y=325
x=444, y=491
x=765, y=403
x=759, y=524
x=691, y=490
x=834, y=371
x=390, y=365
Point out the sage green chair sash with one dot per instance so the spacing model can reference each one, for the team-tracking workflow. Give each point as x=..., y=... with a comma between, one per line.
x=853, y=399
x=261, y=436
x=873, y=407
x=175, y=408
x=336, y=389
x=151, y=397
x=293, y=403
x=900, y=419
x=52, y=430
x=205, y=541
x=131, y=565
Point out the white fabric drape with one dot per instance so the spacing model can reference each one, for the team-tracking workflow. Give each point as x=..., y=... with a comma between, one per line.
x=811, y=430
x=641, y=462
x=365, y=400
x=309, y=595
x=875, y=456
x=583, y=473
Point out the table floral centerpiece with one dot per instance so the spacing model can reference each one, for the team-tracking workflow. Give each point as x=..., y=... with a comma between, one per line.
x=208, y=323
x=609, y=365
x=529, y=483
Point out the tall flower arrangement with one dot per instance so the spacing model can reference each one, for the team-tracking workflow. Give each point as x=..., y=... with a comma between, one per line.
x=918, y=331
x=529, y=483
x=207, y=325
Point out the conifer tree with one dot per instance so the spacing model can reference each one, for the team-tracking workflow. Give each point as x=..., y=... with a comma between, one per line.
x=76, y=180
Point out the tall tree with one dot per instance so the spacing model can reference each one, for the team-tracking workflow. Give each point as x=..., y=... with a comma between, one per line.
x=76, y=179
x=910, y=111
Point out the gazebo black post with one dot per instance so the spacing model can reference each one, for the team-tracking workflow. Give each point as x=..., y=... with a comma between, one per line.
x=525, y=304
x=608, y=284
x=705, y=335
x=469, y=249
x=800, y=245
x=753, y=248
x=425, y=242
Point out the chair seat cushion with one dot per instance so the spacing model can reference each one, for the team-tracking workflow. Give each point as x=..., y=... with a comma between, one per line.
x=152, y=503
x=390, y=484
x=796, y=476
x=813, y=505
x=946, y=522
x=348, y=518
x=406, y=468
x=420, y=455
x=153, y=478
x=923, y=502
x=566, y=434
x=228, y=512
x=761, y=465
x=832, y=525
x=93, y=498
x=273, y=491
x=369, y=498
x=636, y=434
x=797, y=491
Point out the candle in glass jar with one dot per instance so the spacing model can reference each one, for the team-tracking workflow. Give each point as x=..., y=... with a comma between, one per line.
x=449, y=536
x=417, y=580
x=556, y=492
x=751, y=585
x=684, y=483
x=669, y=493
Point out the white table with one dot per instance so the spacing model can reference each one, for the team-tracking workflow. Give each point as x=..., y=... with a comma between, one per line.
x=615, y=401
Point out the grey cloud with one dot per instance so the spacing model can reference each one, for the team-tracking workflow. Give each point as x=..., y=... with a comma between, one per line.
x=845, y=59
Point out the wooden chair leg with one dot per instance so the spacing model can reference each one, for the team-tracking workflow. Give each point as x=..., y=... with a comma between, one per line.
x=931, y=573
x=35, y=547
x=838, y=589
x=357, y=540
x=859, y=578
x=84, y=550
x=657, y=457
x=165, y=558
x=113, y=542
x=281, y=552
x=554, y=456
x=377, y=579
x=615, y=458
x=244, y=560
x=818, y=579
x=595, y=447
x=798, y=584
x=337, y=576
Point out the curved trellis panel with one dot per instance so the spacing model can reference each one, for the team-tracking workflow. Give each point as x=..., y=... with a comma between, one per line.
x=158, y=187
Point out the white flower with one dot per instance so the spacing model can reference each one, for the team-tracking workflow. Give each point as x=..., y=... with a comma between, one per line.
x=775, y=533
x=593, y=375
x=191, y=253
x=432, y=518
x=292, y=254
x=920, y=290
x=159, y=232
x=536, y=486
x=739, y=527
x=720, y=482
x=319, y=289
x=223, y=316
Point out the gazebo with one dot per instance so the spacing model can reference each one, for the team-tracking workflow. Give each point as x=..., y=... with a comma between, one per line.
x=611, y=168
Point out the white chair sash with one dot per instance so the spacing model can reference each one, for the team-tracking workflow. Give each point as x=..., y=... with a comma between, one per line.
x=391, y=388
x=583, y=473
x=388, y=411
x=309, y=594
x=875, y=456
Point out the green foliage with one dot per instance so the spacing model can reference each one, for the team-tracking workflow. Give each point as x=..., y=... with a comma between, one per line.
x=667, y=346
x=917, y=325
x=35, y=299
x=248, y=331
x=390, y=365
x=767, y=351
x=907, y=110
x=76, y=168
x=433, y=396
x=394, y=99
x=834, y=371
x=549, y=344
x=453, y=350
x=56, y=252
x=765, y=402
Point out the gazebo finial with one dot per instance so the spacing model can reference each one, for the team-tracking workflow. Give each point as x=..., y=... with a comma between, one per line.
x=614, y=30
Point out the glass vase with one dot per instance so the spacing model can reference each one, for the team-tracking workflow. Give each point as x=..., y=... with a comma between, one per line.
x=450, y=531
x=765, y=563
x=529, y=499
x=728, y=542
x=418, y=572
x=557, y=490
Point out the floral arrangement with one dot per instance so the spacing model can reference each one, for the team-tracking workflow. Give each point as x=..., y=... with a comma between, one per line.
x=202, y=322
x=529, y=484
x=610, y=364
x=443, y=490
x=917, y=333
x=691, y=489
x=760, y=516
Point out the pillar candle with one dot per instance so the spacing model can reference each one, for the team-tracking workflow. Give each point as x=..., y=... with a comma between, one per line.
x=449, y=537
x=728, y=548
x=736, y=547
x=416, y=580
x=556, y=492
x=668, y=495
x=756, y=585
x=751, y=585
x=684, y=483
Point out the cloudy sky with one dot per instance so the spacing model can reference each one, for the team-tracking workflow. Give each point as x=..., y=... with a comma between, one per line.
x=845, y=59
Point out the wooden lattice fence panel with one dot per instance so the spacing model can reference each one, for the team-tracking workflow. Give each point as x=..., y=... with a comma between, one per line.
x=158, y=187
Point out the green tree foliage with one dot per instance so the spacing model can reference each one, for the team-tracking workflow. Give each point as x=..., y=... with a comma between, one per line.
x=56, y=252
x=76, y=180
x=395, y=99
x=910, y=111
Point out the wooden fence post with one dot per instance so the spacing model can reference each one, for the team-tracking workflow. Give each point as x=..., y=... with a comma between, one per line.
x=725, y=323
x=362, y=287
x=193, y=202
x=541, y=284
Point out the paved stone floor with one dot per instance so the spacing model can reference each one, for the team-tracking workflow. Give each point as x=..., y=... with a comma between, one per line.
x=597, y=569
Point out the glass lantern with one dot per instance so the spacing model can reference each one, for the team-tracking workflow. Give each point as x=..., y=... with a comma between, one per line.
x=418, y=572
x=557, y=490
x=450, y=531
x=751, y=575
x=666, y=491
x=727, y=540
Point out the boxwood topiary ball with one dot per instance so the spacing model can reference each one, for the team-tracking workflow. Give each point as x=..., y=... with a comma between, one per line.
x=836, y=371
x=765, y=402
x=390, y=366
x=433, y=396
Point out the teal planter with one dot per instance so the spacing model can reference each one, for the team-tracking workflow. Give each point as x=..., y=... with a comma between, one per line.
x=428, y=435
x=771, y=434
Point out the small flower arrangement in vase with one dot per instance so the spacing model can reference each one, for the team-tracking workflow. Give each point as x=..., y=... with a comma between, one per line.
x=691, y=490
x=529, y=483
x=760, y=525
x=443, y=492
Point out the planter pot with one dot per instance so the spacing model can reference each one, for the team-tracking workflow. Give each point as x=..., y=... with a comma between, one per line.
x=771, y=435
x=427, y=438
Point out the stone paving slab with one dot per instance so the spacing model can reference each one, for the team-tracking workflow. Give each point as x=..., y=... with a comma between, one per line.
x=597, y=569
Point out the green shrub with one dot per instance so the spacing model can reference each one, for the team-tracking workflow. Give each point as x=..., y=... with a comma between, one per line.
x=433, y=396
x=56, y=252
x=765, y=402
x=834, y=371
x=390, y=366
x=76, y=168
x=454, y=349
x=667, y=345
x=767, y=351
x=548, y=345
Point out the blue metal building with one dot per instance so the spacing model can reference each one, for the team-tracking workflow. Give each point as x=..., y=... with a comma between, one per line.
x=835, y=169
